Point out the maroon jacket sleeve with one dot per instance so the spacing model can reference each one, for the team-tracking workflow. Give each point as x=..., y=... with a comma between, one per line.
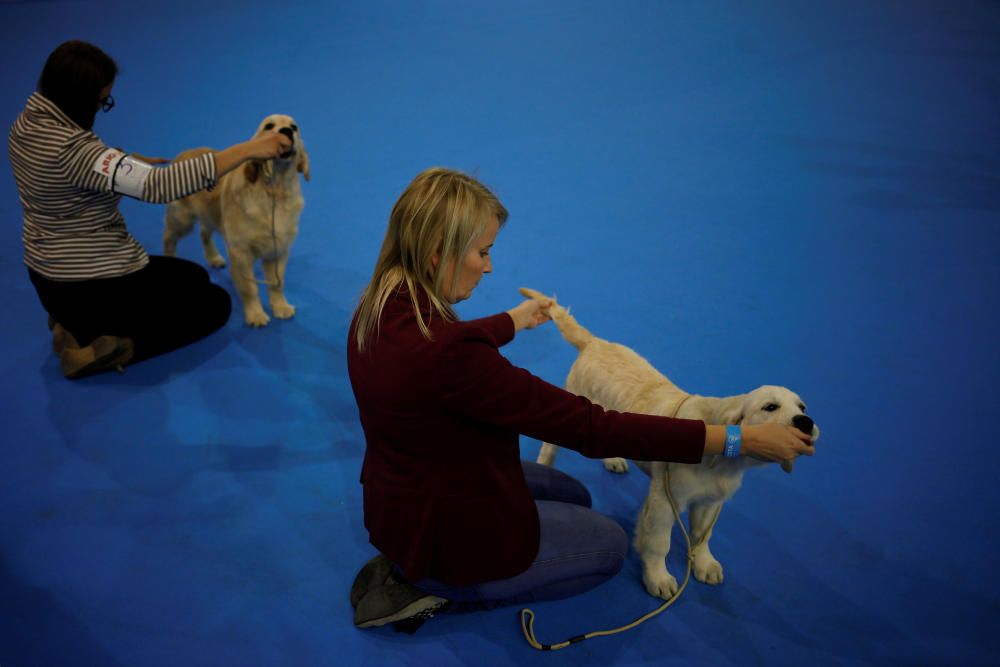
x=479, y=383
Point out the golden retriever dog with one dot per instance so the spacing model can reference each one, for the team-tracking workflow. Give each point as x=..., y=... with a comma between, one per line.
x=616, y=378
x=256, y=209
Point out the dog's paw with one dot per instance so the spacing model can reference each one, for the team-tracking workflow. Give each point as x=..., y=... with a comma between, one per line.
x=217, y=262
x=546, y=455
x=616, y=464
x=708, y=571
x=661, y=585
x=255, y=317
x=283, y=311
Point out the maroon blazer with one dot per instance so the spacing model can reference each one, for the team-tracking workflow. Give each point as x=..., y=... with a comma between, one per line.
x=444, y=494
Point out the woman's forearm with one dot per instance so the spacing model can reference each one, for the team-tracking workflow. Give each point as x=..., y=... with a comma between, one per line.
x=230, y=158
x=715, y=439
x=264, y=147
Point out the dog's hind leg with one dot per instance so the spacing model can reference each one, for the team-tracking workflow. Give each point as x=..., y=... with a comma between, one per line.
x=177, y=223
x=274, y=273
x=652, y=537
x=616, y=464
x=702, y=516
x=547, y=454
x=212, y=254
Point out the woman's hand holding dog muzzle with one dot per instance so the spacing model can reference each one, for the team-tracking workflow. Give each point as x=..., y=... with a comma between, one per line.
x=265, y=147
x=268, y=146
x=776, y=442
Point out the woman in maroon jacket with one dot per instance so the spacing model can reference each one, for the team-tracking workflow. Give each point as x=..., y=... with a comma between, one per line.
x=459, y=519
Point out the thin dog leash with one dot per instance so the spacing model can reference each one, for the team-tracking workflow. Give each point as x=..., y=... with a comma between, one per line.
x=528, y=616
x=274, y=235
x=274, y=240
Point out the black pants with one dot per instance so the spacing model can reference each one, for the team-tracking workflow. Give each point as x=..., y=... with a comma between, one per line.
x=166, y=305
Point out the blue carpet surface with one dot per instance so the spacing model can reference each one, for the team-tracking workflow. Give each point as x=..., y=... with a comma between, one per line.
x=798, y=193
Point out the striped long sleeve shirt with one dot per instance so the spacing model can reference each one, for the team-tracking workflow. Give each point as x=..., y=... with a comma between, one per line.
x=73, y=229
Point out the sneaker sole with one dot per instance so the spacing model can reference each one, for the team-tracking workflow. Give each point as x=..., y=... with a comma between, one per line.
x=424, y=606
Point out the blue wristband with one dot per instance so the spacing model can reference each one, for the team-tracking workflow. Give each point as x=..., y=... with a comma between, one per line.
x=733, y=441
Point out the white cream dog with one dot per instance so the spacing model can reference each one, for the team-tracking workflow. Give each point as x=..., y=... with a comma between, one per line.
x=616, y=378
x=256, y=209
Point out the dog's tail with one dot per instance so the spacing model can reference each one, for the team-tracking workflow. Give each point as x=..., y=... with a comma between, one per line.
x=568, y=326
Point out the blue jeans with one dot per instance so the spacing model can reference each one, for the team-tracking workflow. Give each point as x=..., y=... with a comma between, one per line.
x=579, y=549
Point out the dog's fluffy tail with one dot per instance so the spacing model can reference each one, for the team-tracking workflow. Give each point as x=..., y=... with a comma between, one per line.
x=568, y=326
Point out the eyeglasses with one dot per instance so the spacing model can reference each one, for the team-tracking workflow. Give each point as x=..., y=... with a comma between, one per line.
x=107, y=104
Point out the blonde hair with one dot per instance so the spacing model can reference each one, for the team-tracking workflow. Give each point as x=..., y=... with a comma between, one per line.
x=441, y=212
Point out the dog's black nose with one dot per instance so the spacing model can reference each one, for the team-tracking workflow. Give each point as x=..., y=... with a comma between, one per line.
x=288, y=132
x=804, y=423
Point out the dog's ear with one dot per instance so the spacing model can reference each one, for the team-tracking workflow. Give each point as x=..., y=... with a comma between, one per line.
x=302, y=165
x=732, y=414
x=729, y=410
x=251, y=171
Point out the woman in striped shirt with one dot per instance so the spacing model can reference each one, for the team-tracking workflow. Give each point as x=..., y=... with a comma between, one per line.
x=109, y=303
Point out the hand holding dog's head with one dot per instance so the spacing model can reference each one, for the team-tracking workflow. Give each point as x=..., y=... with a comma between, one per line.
x=285, y=125
x=773, y=404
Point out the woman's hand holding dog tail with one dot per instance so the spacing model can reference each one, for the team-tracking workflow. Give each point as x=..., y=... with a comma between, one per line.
x=529, y=314
x=775, y=442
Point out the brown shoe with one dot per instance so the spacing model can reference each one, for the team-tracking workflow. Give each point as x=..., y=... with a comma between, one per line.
x=104, y=354
x=62, y=339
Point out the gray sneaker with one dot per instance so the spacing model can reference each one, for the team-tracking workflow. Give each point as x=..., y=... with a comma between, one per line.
x=375, y=573
x=396, y=602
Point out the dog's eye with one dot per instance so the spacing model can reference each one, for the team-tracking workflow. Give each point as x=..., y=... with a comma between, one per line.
x=802, y=407
x=269, y=126
x=295, y=128
x=770, y=407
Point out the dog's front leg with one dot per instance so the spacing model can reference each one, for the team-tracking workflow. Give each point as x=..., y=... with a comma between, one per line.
x=707, y=569
x=241, y=268
x=652, y=537
x=274, y=273
x=547, y=454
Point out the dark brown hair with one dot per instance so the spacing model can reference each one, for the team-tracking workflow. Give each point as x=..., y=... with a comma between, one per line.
x=73, y=77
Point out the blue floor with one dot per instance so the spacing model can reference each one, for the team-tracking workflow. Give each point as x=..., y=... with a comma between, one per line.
x=766, y=192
